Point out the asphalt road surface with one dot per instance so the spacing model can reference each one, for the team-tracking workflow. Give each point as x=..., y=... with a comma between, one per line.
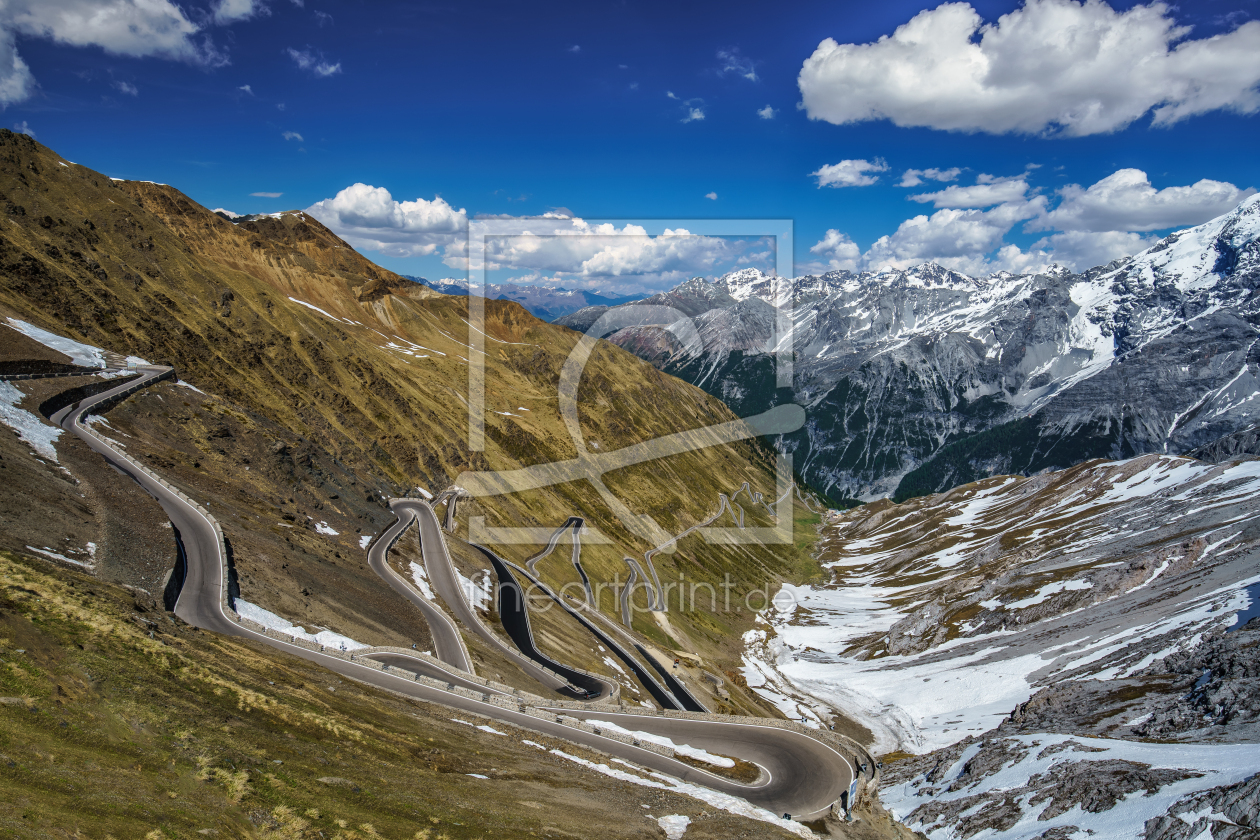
x=445, y=582
x=802, y=776
x=514, y=615
x=661, y=695
x=447, y=645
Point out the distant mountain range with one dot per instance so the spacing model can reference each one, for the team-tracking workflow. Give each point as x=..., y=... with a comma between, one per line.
x=919, y=380
x=542, y=301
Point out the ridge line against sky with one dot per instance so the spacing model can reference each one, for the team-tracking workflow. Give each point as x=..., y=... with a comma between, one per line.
x=984, y=136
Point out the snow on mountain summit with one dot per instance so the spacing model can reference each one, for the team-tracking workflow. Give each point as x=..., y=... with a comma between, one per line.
x=1199, y=257
x=1159, y=352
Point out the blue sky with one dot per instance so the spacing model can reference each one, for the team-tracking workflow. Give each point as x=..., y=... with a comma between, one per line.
x=615, y=111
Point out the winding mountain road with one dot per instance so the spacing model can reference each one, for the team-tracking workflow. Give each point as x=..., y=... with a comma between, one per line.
x=447, y=643
x=573, y=525
x=675, y=694
x=445, y=581
x=802, y=775
x=514, y=613
x=518, y=613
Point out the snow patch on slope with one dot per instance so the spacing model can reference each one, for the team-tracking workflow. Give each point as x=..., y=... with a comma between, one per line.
x=39, y=435
x=726, y=802
x=1219, y=764
x=274, y=622
x=421, y=579
x=680, y=749
x=84, y=355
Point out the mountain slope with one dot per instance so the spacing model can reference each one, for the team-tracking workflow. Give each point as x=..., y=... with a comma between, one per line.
x=1154, y=353
x=327, y=384
x=1042, y=656
x=117, y=721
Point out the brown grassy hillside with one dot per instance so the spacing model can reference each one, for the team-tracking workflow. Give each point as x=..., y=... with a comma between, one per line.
x=116, y=721
x=310, y=417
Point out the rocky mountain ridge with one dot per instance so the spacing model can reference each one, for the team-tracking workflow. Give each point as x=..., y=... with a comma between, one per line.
x=921, y=379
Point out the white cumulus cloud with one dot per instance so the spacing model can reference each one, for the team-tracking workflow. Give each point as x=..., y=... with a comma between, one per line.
x=577, y=248
x=1050, y=66
x=369, y=217
x=558, y=249
x=1090, y=226
x=134, y=28
x=711, y=196
x=915, y=177
x=693, y=114
x=766, y=113
x=950, y=234
x=292, y=135
x=1126, y=201
x=127, y=88
x=314, y=61
x=986, y=193
x=849, y=173
x=1079, y=249
x=230, y=11
x=839, y=251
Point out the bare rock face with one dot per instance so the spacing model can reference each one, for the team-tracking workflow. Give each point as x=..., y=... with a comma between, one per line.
x=1210, y=692
x=1223, y=679
x=1093, y=786
x=1231, y=812
x=1244, y=443
x=920, y=380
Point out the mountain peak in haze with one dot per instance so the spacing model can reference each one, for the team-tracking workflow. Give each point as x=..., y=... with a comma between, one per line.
x=546, y=302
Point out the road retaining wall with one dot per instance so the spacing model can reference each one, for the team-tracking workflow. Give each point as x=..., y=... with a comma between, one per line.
x=17, y=377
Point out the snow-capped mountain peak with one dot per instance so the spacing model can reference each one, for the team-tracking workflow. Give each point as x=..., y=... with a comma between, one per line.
x=1159, y=352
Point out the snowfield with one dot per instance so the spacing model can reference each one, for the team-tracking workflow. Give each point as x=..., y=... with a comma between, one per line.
x=39, y=435
x=680, y=749
x=84, y=355
x=946, y=612
x=1040, y=802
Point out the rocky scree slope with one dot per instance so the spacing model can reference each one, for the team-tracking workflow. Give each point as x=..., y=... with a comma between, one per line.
x=330, y=384
x=1184, y=768
x=1048, y=656
x=1044, y=656
x=923, y=379
x=948, y=609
